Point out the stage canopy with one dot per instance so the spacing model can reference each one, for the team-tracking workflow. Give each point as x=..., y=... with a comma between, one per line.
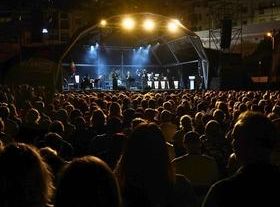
x=136, y=41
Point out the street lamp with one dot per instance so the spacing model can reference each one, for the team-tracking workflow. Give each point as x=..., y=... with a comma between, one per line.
x=271, y=35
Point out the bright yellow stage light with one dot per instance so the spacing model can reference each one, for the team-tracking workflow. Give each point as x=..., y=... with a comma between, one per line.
x=128, y=23
x=103, y=23
x=149, y=25
x=173, y=26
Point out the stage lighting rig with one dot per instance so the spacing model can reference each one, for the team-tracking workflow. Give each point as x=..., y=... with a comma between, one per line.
x=149, y=25
x=103, y=23
x=173, y=26
x=128, y=23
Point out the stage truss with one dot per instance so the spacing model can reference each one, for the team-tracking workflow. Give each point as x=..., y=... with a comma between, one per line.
x=183, y=41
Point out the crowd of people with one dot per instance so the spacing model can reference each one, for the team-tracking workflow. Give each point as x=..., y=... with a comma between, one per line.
x=150, y=149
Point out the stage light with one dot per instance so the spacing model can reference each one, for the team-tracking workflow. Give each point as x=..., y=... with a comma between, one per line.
x=128, y=23
x=149, y=25
x=177, y=21
x=103, y=23
x=96, y=45
x=173, y=26
x=92, y=48
x=45, y=31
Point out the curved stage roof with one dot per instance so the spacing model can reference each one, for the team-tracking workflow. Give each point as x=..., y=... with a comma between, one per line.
x=169, y=48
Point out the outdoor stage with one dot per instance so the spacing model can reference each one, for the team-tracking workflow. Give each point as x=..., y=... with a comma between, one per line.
x=140, y=51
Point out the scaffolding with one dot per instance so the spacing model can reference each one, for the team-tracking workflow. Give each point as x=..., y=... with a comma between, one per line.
x=218, y=11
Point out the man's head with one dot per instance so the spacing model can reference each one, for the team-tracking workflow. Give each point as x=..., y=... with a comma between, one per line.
x=253, y=138
x=192, y=143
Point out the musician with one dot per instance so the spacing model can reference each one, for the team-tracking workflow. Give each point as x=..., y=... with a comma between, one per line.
x=86, y=82
x=129, y=80
x=115, y=79
x=144, y=78
x=170, y=79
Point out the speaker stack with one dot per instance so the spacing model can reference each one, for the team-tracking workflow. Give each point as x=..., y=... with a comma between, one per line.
x=226, y=31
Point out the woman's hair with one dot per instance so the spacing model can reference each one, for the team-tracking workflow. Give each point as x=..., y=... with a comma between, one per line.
x=115, y=109
x=25, y=179
x=85, y=182
x=32, y=116
x=98, y=118
x=145, y=162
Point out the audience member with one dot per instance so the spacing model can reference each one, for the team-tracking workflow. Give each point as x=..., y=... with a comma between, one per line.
x=145, y=173
x=255, y=182
x=25, y=179
x=86, y=182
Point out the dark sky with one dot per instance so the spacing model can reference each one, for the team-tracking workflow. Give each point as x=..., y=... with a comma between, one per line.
x=114, y=6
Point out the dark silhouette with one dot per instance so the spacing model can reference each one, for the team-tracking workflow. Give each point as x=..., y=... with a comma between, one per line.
x=255, y=183
x=24, y=177
x=87, y=182
x=145, y=173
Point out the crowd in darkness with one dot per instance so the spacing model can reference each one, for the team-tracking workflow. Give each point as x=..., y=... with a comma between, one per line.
x=150, y=149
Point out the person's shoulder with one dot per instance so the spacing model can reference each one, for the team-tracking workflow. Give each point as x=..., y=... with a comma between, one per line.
x=178, y=160
x=181, y=180
x=208, y=158
x=183, y=192
x=225, y=183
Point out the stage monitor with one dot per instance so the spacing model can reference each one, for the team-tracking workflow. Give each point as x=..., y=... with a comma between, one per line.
x=191, y=78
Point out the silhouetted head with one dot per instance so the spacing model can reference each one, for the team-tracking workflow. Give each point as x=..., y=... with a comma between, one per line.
x=253, y=137
x=145, y=161
x=186, y=123
x=192, y=142
x=24, y=177
x=87, y=182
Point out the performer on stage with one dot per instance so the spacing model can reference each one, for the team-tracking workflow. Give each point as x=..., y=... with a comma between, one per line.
x=169, y=79
x=144, y=77
x=86, y=82
x=115, y=79
x=129, y=80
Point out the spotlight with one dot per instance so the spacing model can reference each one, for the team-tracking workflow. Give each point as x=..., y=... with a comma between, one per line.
x=128, y=23
x=173, y=26
x=96, y=45
x=92, y=48
x=149, y=25
x=45, y=31
x=177, y=21
x=103, y=23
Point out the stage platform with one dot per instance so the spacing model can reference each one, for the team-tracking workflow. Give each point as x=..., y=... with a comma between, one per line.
x=132, y=89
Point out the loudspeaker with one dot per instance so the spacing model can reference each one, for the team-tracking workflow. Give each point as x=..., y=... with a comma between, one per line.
x=226, y=33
